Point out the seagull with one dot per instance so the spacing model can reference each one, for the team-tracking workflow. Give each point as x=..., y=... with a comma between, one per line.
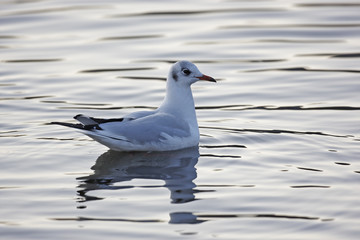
x=172, y=126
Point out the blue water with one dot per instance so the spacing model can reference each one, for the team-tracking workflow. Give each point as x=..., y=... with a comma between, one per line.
x=279, y=150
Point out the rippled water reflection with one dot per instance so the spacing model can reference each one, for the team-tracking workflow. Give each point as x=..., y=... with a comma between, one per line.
x=278, y=156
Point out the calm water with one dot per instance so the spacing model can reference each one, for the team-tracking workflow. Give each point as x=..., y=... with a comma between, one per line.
x=280, y=132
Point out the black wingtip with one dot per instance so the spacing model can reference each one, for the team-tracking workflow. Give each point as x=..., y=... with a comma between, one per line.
x=79, y=115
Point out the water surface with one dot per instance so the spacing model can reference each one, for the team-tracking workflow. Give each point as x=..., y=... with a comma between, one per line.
x=279, y=148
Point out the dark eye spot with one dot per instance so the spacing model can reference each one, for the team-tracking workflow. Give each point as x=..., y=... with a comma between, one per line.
x=186, y=71
x=175, y=77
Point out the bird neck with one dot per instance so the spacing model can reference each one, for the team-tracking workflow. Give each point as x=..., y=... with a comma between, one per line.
x=179, y=101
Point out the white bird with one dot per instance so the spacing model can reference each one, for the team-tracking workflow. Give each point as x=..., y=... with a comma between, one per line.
x=171, y=126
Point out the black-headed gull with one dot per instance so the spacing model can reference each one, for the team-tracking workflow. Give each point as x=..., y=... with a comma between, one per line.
x=172, y=126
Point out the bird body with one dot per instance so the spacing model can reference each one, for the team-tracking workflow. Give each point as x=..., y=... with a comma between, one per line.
x=172, y=126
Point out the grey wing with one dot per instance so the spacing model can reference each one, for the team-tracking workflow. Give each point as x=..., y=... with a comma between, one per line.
x=139, y=114
x=150, y=128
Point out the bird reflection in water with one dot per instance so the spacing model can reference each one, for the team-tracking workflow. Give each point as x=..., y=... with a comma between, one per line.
x=176, y=168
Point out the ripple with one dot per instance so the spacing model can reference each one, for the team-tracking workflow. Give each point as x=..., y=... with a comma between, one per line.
x=240, y=61
x=331, y=55
x=8, y=37
x=198, y=12
x=223, y=146
x=275, y=131
x=310, y=169
x=108, y=219
x=11, y=134
x=343, y=163
x=310, y=186
x=328, y=5
x=25, y=98
x=116, y=38
x=220, y=106
x=314, y=25
x=109, y=108
x=310, y=41
x=11, y=187
x=223, y=186
x=196, y=218
x=216, y=61
x=33, y=60
x=265, y=215
x=295, y=108
x=74, y=103
x=61, y=139
x=303, y=69
x=7, y=84
x=54, y=10
x=115, y=70
x=8, y=223
x=143, y=78
x=219, y=156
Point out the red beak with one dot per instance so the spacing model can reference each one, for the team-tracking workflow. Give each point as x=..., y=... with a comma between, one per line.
x=206, y=78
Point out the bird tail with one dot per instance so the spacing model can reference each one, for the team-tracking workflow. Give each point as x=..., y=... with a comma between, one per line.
x=72, y=125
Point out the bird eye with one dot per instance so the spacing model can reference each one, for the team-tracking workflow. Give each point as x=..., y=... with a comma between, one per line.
x=186, y=71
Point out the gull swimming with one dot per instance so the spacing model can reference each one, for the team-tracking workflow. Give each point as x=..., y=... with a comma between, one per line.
x=172, y=126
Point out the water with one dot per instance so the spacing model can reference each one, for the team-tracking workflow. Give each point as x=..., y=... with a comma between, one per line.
x=279, y=150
